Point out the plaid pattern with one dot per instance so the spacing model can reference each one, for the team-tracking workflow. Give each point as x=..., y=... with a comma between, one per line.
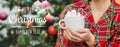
x=105, y=30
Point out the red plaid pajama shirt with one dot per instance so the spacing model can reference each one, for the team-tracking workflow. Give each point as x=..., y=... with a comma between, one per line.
x=105, y=30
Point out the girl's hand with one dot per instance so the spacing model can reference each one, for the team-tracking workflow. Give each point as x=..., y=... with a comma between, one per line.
x=79, y=35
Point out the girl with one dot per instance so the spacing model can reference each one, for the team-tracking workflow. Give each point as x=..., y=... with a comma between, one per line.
x=102, y=25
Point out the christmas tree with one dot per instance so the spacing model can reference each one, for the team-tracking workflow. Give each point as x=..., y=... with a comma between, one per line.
x=30, y=23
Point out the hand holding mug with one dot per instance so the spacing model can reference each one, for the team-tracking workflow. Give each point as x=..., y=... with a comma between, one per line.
x=74, y=30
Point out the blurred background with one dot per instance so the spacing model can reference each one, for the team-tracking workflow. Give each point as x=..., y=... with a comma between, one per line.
x=30, y=33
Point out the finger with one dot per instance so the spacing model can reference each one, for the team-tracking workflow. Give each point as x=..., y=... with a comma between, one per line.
x=73, y=32
x=71, y=37
x=74, y=37
x=68, y=37
x=85, y=35
x=65, y=35
x=85, y=30
x=81, y=31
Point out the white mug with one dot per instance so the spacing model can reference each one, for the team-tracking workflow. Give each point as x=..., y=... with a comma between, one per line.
x=75, y=22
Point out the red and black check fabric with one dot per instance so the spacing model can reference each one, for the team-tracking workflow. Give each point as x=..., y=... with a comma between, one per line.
x=105, y=30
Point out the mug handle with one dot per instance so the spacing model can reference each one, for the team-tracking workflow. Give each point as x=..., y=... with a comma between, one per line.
x=62, y=24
